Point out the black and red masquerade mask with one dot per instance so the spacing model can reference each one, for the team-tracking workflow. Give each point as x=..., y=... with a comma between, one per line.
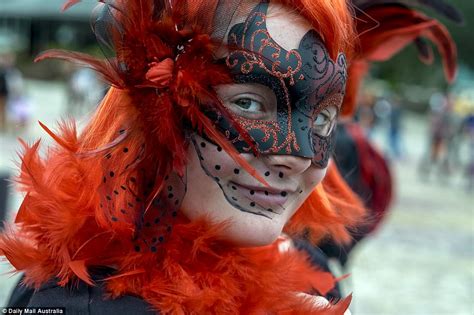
x=305, y=81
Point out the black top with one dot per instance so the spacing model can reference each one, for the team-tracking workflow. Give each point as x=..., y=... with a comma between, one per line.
x=80, y=300
x=87, y=300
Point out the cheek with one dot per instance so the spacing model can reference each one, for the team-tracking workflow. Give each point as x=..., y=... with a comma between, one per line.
x=212, y=159
x=310, y=179
x=208, y=169
x=313, y=176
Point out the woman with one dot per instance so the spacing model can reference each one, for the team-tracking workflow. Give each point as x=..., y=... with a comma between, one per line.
x=204, y=160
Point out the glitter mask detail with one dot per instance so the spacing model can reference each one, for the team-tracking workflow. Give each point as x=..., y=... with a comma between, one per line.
x=305, y=81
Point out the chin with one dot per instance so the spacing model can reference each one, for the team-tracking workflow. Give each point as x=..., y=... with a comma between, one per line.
x=254, y=231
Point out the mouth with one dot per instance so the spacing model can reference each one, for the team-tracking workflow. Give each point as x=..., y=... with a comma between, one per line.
x=268, y=198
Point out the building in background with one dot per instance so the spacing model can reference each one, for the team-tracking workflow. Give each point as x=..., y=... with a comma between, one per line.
x=34, y=25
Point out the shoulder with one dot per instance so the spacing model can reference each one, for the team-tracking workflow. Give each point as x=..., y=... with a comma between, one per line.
x=81, y=299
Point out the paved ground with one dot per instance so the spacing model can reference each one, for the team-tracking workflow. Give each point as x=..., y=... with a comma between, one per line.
x=420, y=262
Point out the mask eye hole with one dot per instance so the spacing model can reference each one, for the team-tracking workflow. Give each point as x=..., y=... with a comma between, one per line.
x=250, y=101
x=248, y=104
x=324, y=121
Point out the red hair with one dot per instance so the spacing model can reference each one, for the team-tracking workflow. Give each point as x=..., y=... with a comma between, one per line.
x=62, y=221
x=334, y=21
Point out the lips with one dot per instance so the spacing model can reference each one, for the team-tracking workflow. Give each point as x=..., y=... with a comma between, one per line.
x=271, y=199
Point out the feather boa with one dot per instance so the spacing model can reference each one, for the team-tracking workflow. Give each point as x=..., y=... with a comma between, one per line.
x=57, y=235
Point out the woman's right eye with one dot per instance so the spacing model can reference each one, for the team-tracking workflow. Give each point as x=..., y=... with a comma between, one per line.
x=248, y=105
x=250, y=101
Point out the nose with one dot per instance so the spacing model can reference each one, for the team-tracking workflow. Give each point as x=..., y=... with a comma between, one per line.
x=287, y=164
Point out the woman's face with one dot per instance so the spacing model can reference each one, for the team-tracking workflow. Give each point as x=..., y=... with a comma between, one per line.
x=220, y=189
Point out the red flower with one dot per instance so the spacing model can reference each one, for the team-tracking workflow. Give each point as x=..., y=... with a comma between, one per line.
x=161, y=72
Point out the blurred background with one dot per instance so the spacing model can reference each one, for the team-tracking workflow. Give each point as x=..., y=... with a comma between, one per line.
x=418, y=258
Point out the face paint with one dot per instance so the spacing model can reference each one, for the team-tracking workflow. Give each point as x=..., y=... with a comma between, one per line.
x=305, y=81
x=241, y=190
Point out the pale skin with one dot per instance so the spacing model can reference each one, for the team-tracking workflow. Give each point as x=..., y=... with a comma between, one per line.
x=204, y=197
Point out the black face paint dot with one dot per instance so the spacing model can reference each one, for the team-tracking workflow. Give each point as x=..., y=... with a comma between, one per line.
x=284, y=193
x=104, y=179
x=234, y=188
x=219, y=148
x=252, y=204
x=125, y=150
x=153, y=249
x=108, y=198
x=170, y=188
x=280, y=175
x=217, y=167
x=133, y=179
x=270, y=209
x=176, y=202
x=123, y=211
x=130, y=204
x=236, y=171
x=116, y=192
x=252, y=192
x=266, y=193
x=300, y=120
x=137, y=248
x=114, y=219
x=233, y=198
x=157, y=220
x=170, y=196
x=161, y=239
x=123, y=187
x=174, y=214
x=217, y=179
x=112, y=174
x=203, y=144
x=267, y=173
x=301, y=191
x=201, y=158
x=167, y=177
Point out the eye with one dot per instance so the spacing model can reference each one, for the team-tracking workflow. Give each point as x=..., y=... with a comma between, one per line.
x=322, y=119
x=324, y=122
x=248, y=104
x=250, y=101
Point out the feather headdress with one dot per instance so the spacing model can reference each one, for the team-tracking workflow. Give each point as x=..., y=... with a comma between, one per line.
x=385, y=27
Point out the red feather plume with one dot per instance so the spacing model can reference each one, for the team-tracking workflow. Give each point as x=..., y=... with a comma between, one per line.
x=385, y=27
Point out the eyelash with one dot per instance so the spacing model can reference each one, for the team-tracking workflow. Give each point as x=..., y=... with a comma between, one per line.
x=249, y=113
x=327, y=117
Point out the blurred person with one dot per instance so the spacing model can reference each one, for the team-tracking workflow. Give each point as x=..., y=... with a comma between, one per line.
x=207, y=163
x=365, y=114
x=84, y=89
x=3, y=94
x=395, y=129
x=441, y=131
x=388, y=113
x=469, y=173
x=465, y=106
x=18, y=106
